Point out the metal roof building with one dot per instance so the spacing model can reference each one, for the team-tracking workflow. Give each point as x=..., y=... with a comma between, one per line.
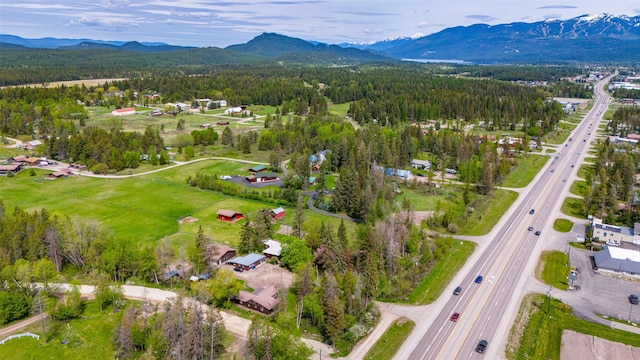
x=618, y=260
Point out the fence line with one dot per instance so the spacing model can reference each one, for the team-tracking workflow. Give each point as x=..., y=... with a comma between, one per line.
x=17, y=336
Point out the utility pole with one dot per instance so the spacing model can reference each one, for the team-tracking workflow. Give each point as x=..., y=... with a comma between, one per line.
x=549, y=301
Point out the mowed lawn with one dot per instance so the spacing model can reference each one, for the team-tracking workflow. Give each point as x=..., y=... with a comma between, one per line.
x=144, y=208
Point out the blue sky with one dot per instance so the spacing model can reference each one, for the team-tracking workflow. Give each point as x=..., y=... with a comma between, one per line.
x=221, y=23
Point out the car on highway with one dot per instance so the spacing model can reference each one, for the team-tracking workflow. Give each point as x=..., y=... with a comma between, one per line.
x=633, y=299
x=455, y=317
x=530, y=228
x=537, y=232
x=532, y=211
x=457, y=291
x=482, y=346
x=479, y=279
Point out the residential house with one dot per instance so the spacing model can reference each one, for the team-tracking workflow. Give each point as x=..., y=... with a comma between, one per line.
x=221, y=254
x=229, y=215
x=277, y=213
x=262, y=176
x=123, y=112
x=199, y=277
x=58, y=175
x=13, y=168
x=261, y=299
x=248, y=262
x=312, y=180
x=272, y=248
x=235, y=110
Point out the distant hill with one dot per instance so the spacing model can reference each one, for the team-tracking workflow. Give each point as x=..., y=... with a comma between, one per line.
x=75, y=44
x=582, y=39
x=130, y=46
x=285, y=48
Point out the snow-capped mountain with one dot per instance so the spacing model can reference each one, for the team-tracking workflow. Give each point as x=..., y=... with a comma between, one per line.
x=601, y=37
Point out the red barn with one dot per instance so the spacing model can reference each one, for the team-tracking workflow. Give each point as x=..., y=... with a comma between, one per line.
x=277, y=213
x=229, y=215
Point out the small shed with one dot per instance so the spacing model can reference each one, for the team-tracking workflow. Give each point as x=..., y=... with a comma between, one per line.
x=277, y=213
x=258, y=168
x=229, y=215
x=248, y=262
x=58, y=175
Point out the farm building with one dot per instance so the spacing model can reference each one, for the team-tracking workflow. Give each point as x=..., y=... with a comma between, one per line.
x=13, y=168
x=221, y=254
x=248, y=262
x=257, y=168
x=261, y=299
x=272, y=248
x=229, y=215
x=123, y=112
x=262, y=176
x=277, y=213
x=30, y=145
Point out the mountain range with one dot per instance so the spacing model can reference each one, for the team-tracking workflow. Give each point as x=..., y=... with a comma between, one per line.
x=587, y=38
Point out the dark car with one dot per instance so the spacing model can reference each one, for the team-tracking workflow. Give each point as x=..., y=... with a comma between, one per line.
x=238, y=269
x=479, y=279
x=455, y=317
x=457, y=291
x=537, y=232
x=530, y=228
x=633, y=298
x=482, y=346
x=531, y=211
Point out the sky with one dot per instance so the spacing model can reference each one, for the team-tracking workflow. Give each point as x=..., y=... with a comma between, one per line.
x=205, y=23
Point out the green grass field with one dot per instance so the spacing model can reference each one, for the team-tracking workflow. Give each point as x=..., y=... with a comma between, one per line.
x=578, y=188
x=537, y=333
x=573, y=207
x=88, y=337
x=441, y=199
x=391, y=340
x=484, y=218
x=562, y=225
x=144, y=208
x=432, y=285
x=553, y=269
x=526, y=171
x=339, y=109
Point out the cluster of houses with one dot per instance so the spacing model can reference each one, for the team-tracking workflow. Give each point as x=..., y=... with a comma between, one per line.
x=263, y=299
x=17, y=163
x=259, y=174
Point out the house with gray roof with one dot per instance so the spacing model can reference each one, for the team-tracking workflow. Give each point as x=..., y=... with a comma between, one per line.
x=248, y=262
x=618, y=260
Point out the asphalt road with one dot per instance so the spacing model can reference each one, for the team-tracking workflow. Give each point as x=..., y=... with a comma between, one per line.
x=506, y=262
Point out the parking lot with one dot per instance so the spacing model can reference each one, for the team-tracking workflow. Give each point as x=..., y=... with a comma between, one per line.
x=601, y=292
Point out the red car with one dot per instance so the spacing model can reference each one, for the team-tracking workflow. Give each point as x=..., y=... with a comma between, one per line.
x=455, y=317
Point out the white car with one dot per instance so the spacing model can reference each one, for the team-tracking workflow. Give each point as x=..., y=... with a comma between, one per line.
x=225, y=177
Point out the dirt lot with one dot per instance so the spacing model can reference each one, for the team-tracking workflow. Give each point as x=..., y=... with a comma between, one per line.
x=576, y=346
x=266, y=275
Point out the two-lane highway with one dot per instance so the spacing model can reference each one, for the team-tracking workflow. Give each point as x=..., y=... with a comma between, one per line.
x=487, y=309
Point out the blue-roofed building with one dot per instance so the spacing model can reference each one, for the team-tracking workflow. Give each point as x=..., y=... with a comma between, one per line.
x=247, y=262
